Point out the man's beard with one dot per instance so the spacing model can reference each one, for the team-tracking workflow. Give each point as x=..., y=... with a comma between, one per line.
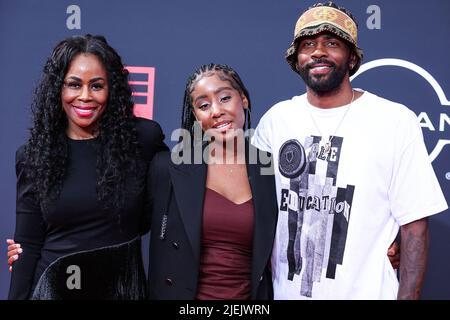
x=324, y=83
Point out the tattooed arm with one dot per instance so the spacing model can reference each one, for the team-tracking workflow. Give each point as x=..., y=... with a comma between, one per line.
x=413, y=258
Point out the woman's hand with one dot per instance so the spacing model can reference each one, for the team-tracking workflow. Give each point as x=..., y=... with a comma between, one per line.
x=14, y=250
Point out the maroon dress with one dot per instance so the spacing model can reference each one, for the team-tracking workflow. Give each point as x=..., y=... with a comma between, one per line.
x=226, y=253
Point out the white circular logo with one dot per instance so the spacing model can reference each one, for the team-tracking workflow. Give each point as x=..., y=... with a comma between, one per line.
x=423, y=73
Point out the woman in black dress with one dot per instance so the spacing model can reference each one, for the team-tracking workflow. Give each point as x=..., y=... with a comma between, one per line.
x=81, y=180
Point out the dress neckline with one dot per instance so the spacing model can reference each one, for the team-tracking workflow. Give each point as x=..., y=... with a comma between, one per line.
x=82, y=140
x=232, y=202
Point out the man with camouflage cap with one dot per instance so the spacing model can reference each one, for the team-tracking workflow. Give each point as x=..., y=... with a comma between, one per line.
x=351, y=170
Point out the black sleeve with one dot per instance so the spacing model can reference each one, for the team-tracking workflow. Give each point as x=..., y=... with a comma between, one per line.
x=158, y=186
x=148, y=197
x=151, y=138
x=30, y=233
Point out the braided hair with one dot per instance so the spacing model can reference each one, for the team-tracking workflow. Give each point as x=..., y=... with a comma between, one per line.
x=225, y=73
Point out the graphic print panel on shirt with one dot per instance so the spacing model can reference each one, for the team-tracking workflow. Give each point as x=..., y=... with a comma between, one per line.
x=318, y=211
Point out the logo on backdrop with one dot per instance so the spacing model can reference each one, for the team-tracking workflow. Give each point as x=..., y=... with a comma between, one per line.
x=142, y=81
x=424, y=117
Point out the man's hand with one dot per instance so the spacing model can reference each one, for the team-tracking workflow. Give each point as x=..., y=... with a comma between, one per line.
x=394, y=255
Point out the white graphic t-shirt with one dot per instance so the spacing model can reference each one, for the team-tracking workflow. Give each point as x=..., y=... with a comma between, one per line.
x=342, y=196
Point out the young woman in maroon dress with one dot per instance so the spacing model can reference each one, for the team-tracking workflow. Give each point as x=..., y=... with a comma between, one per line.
x=215, y=210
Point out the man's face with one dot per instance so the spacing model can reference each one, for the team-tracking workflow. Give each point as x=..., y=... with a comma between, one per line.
x=323, y=61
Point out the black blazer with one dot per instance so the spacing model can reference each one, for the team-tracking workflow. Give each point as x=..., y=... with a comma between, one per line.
x=177, y=193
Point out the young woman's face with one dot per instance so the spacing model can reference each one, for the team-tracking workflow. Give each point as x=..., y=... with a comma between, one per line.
x=84, y=95
x=218, y=106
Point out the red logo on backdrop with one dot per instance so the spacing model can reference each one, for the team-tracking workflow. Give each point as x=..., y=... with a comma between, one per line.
x=143, y=90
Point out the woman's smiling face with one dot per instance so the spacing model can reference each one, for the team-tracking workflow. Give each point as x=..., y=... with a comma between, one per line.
x=84, y=95
x=218, y=106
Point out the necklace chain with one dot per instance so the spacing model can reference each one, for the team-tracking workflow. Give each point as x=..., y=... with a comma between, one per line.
x=327, y=147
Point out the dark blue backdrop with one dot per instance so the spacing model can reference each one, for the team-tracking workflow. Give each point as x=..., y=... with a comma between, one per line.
x=176, y=36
